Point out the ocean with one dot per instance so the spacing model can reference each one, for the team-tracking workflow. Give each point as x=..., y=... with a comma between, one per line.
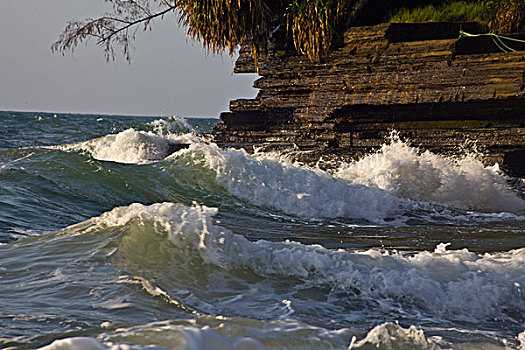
x=107, y=241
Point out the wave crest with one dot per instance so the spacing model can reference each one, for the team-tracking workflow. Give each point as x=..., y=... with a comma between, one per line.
x=454, y=285
x=463, y=183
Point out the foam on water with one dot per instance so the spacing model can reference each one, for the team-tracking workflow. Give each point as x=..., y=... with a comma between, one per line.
x=189, y=337
x=439, y=287
x=212, y=333
x=201, y=335
x=384, y=187
x=451, y=285
x=136, y=146
x=171, y=126
x=389, y=186
x=392, y=336
x=460, y=182
x=181, y=337
x=129, y=146
x=291, y=188
x=521, y=338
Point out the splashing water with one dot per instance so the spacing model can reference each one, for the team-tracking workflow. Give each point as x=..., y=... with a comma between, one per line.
x=111, y=242
x=381, y=187
x=463, y=183
x=450, y=286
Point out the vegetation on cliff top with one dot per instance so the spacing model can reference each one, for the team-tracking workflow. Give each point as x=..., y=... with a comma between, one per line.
x=503, y=16
x=455, y=11
x=312, y=25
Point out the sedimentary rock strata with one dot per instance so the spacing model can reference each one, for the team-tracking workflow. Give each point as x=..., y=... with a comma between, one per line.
x=425, y=81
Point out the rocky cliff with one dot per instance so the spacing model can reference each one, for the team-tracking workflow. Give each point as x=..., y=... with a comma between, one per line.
x=425, y=81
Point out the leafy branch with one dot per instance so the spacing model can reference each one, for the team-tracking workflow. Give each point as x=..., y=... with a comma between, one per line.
x=118, y=28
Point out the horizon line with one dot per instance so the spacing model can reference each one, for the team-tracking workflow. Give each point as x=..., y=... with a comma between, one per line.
x=110, y=114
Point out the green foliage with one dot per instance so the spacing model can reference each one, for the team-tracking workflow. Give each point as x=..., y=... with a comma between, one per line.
x=226, y=24
x=503, y=16
x=454, y=11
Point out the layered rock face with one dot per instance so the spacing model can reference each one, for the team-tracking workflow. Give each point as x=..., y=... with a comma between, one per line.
x=434, y=87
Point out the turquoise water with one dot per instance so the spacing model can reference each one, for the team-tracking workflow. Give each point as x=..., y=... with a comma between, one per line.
x=108, y=242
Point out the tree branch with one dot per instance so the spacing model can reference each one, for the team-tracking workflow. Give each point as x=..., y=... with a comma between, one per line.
x=138, y=21
x=111, y=28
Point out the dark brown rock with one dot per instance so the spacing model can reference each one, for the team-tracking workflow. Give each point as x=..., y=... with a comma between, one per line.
x=174, y=147
x=421, y=80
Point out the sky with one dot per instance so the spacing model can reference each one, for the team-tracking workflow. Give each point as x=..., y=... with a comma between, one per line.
x=168, y=75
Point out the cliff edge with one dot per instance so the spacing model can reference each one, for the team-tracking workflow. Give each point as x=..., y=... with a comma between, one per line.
x=440, y=85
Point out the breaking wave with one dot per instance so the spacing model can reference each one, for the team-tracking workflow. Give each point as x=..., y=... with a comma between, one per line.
x=453, y=285
x=136, y=146
x=394, y=185
x=218, y=250
x=383, y=187
x=387, y=335
x=463, y=183
x=440, y=287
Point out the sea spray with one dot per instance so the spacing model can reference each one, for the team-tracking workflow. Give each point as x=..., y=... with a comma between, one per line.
x=462, y=182
x=392, y=336
x=129, y=147
x=171, y=126
x=132, y=146
x=381, y=188
x=293, y=189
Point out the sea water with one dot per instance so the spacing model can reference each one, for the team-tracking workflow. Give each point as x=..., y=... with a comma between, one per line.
x=108, y=241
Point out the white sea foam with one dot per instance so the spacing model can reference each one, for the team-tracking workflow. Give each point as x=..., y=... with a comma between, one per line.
x=211, y=333
x=294, y=189
x=229, y=334
x=77, y=343
x=137, y=146
x=183, y=337
x=380, y=187
x=220, y=332
x=171, y=126
x=392, y=336
x=267, y=182
x=521, y=338
x=441, y=286
x=130, y=146
x=454, y=285
x=460, y=182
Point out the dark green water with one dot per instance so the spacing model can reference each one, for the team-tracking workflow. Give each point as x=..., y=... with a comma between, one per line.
x=108, y=241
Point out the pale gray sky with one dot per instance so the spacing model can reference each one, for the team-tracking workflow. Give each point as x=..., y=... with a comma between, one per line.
x=167, y=76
